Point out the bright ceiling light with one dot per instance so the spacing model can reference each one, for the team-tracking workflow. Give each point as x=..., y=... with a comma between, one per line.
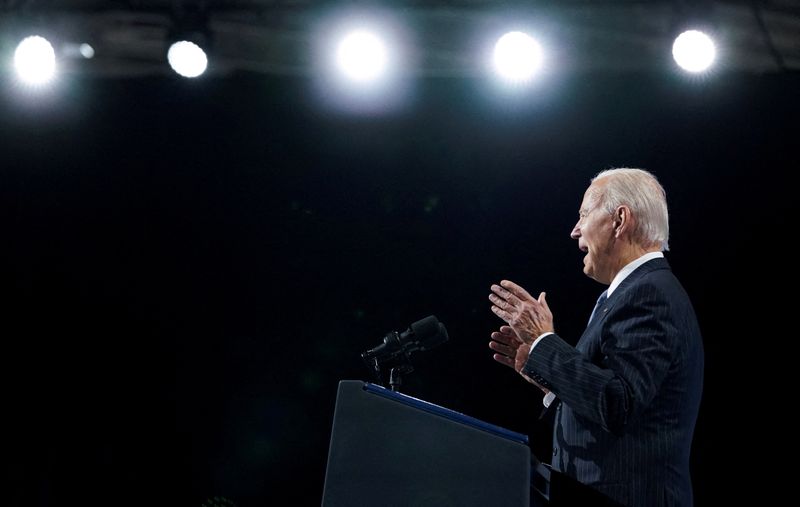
x=517, y=57
x=361, y=56
x=694, y=51
x=86, y=50
x=35, y=60
x=187, y=59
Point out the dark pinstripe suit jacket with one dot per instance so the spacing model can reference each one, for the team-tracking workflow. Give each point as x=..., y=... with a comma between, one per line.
x=629, y=391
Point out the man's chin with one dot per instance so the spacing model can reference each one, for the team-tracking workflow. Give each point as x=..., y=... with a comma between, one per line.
x=591, y=274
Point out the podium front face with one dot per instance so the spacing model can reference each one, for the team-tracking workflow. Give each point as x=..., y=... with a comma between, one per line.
x=388, y=449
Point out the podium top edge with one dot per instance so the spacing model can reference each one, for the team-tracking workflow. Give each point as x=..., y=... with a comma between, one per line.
x=442, y=412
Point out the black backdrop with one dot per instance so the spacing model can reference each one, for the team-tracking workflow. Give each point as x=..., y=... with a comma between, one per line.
x=189, y=268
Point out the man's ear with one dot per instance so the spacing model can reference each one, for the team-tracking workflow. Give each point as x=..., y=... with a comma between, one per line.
x=621, y=220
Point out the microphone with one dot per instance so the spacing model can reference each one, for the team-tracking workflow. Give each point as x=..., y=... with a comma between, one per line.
x=420, y=336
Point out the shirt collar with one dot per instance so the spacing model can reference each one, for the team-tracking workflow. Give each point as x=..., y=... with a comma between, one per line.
x=630, y=268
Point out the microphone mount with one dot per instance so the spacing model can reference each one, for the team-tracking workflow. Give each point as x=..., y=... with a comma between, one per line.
x=394, y=354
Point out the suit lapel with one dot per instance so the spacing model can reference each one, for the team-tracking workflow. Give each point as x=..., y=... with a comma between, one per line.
x=592, y=332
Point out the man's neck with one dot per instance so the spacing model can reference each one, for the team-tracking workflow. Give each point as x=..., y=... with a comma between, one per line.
x=630, y=253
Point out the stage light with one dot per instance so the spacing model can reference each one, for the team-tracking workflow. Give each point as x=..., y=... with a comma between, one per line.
x=35, y=60
x=86, y=50
x=517, y=57
x=694, y=51
x=187, y=58
x=363, y=60
x=76, y=50
x=361, y=56
x=189, y=40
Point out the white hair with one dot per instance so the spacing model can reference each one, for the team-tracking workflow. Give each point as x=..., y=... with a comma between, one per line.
x=644, y=195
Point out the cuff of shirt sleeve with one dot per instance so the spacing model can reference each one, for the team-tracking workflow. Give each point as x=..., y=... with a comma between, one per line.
x=537, y=340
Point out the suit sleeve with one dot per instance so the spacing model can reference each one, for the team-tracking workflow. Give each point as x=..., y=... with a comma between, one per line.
x=639, y=340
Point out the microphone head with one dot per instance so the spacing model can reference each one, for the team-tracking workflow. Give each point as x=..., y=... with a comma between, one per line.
x=428, y=333
x=438, y=338
x=425, y=327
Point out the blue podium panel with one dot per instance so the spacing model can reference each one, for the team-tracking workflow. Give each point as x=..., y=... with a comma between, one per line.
x=388, y=449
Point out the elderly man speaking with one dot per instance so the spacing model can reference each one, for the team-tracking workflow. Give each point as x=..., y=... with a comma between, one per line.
x=627, y=395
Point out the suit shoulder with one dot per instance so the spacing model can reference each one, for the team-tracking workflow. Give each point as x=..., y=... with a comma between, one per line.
x=659, y=286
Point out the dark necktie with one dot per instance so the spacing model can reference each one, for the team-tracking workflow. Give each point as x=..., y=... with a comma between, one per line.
x=600, y=301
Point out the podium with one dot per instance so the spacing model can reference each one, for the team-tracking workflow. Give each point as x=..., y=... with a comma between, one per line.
x=388, y=449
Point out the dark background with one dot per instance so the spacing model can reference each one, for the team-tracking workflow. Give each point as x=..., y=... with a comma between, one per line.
x=189, y=268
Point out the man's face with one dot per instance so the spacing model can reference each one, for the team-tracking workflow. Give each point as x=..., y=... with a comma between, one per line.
x=595, y=234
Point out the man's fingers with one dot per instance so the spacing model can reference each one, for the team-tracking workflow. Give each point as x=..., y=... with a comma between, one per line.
x=504, y=360
x=501, y=313
x=505, y=339
x=500, y=291
x=504, y=295
x=498, y=301
x=516, y=290
x=502, y=348
x=508, y=336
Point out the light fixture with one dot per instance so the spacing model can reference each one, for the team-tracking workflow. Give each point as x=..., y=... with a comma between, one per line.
x=188, y=42
x=694, y=51
x=35, y=60
x=517, y=57
x=693, y=45
x=361, y=56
